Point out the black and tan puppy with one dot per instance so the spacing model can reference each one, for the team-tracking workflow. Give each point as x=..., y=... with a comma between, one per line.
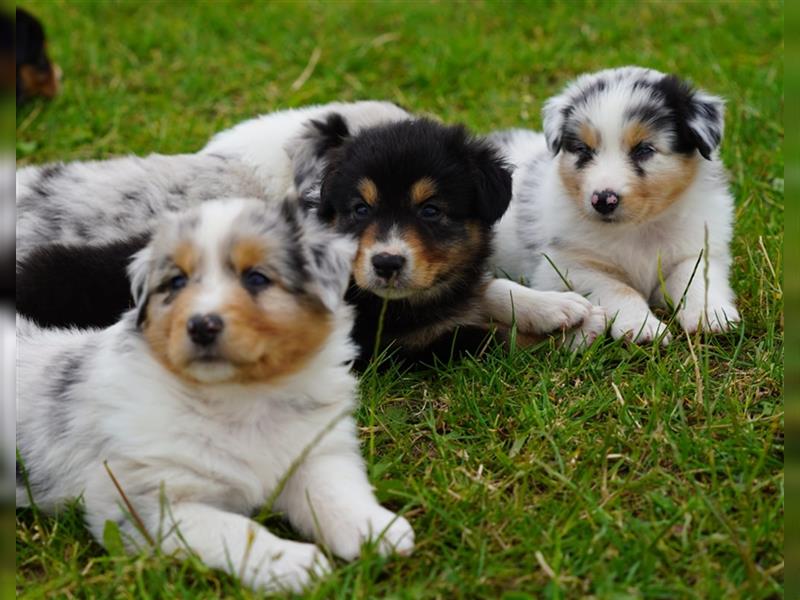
x=421, y=198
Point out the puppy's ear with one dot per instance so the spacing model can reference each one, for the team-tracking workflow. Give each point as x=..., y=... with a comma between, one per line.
x=492, y=180
x=329, y=261
x=554, y=114
x=310, y=153
x=138, y=271
x=326, y=208
x=707, y=122
x=700, y=117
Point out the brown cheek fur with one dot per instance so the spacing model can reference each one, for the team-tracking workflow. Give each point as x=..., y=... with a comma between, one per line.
x=659, y=189
x=165, y=329
x=571, y=178
x=265, y=338
x=434, y=263
x=272, y=335
x=649, y=195
x=365, y=242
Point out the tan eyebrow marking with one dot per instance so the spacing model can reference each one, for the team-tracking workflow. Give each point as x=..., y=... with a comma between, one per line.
x=368, y=190
x=246, y=253
x=589, y=135
x=422, y=190
x=635, y=133
x=185, y=257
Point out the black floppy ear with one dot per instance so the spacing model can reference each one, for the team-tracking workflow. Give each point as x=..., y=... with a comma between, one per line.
x=699, y=115
x=707, y=121
x=326, y=209
x=311, y=152
x=138, y=272
x=492, y=178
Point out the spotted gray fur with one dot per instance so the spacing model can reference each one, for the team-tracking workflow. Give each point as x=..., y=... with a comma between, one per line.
x=97, y=202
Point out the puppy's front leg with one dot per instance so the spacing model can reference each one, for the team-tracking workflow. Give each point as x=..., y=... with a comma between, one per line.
x=716, y=313
x=627, y=309
x=243, y=548
x=329, y=498
x=222, y=540
x=534, y=311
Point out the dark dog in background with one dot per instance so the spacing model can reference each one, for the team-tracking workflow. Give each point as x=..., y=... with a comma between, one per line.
x=36, y=74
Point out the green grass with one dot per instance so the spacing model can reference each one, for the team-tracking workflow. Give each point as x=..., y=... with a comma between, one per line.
x=625, y=472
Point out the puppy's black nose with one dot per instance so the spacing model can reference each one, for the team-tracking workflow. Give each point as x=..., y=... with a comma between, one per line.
x=204, y=329
x=387, y=265
x=605, y=202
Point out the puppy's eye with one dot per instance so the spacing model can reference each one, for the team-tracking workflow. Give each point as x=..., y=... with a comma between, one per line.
x=253, y=280
x=178, y=282
x=642, y=151
x=430, y=212
x=584, y=151
x=361, y=210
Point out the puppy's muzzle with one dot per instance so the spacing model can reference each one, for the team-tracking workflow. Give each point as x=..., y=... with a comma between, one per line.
x=388, y=265
x=204, y=330
x=605, y=202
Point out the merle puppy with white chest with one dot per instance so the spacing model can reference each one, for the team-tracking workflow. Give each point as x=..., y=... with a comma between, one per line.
x=227, y=386
x=624, y=198
x=422, y=198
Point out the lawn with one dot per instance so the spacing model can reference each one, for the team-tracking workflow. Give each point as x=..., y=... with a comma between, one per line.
x=625, y=472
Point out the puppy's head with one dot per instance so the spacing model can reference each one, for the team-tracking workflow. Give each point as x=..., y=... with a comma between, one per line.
x=239, y=291
x=629, y=141
x=36, y=74
x=421, y=199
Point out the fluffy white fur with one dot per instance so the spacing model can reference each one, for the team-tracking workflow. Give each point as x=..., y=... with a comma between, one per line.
x=615, y=259
x=219, y=449
x=101, y=201
x=273, y=143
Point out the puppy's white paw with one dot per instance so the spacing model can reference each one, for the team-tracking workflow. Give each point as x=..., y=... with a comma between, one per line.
x=392, y=533
x=592, y=327
x=289, y=566
x=640, y=329
x=548, y=312
x=718, y=318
